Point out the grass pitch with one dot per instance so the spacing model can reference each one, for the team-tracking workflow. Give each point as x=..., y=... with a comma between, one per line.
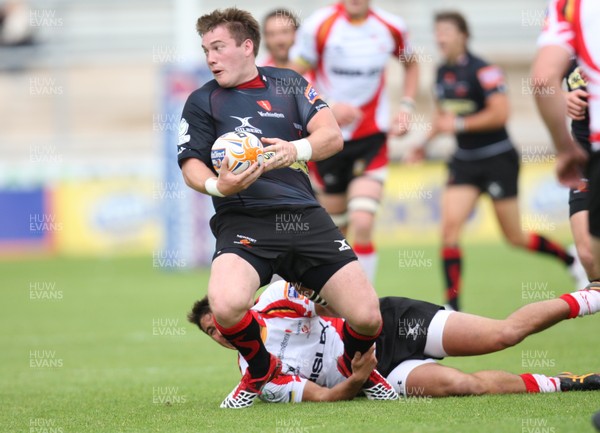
x=102, y=345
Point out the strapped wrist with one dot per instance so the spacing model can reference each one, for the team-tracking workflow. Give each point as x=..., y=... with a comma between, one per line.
x=210, y=185
x=303, y=149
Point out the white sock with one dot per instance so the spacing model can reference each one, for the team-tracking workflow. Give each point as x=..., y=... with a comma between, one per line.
x=547, y=384
x=588, y=301
x=368, y=261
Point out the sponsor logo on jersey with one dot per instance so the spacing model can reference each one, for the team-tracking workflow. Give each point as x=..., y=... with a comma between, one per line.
x=311, y=93
x=268, y=114
x=246, y=126
x=266, y=105
x=246, y=241
x=317, y=365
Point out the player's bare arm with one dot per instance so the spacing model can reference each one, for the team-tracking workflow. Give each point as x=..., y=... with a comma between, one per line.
x=362, y=366
x=325, y=139
x=547, y=72
x=411, y=83
x=196, y=174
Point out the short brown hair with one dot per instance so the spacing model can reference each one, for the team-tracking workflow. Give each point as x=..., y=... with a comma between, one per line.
x=455, y=18
x=200, y=309
x=240, y=23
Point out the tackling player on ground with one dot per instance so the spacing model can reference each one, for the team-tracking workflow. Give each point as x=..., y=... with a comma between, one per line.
x=415, y=334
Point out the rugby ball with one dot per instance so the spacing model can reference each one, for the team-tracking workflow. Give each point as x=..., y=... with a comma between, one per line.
x=243, y=148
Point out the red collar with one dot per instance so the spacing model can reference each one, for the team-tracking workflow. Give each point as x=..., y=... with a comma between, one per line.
x=255, y=83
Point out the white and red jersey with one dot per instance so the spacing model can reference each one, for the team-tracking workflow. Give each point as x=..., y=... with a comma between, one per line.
x=307, y=344
x=349, y=60
x=575, y=25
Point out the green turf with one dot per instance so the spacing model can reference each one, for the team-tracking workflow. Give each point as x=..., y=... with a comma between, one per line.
x=104, y=364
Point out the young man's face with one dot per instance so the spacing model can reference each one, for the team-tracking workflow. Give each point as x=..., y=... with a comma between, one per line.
x=228, y=63
x=451, y=42
x=357, y=8
x=279, y=33
x=207, y=323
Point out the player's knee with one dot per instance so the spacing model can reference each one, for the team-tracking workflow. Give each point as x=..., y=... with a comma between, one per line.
x=227, y=310
x=587, y=261
x=509, y=336
x=367, y=322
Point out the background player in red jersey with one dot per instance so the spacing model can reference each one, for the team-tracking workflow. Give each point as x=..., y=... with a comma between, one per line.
x=347, y=47
x=284, y=110
x=415, y=334
x=472, y=105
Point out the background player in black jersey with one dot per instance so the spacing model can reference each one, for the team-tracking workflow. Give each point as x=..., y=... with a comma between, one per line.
x=577, y=110
x=472, y=104
x=267, y=219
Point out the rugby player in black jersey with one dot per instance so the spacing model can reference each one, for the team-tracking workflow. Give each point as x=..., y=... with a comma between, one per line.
x=267, y=219
x=472, y=105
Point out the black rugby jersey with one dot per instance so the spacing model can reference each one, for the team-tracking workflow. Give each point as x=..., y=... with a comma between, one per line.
x=579, y=128
x=462, y=89
x=280, y=109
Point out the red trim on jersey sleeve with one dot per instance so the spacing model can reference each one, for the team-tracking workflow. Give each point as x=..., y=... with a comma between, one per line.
x=323, y=33
x=490, y=77
x=395, y=32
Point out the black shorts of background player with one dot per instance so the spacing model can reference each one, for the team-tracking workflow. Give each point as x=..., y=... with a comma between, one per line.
x=472, y=105
x=267, y=219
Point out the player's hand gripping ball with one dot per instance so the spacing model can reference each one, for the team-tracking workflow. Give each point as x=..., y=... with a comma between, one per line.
x=242, y=148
